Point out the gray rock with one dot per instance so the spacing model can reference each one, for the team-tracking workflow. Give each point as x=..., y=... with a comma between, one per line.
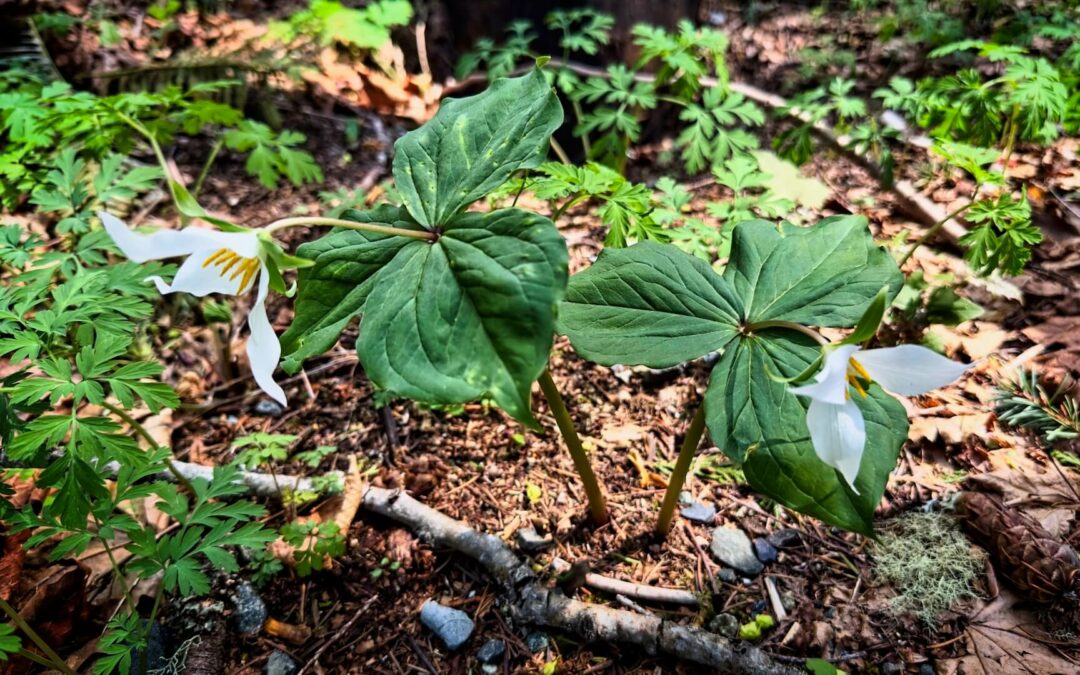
x=892, y=668
x=280, y=663
x=764, y=551
x=784, y=538
x=732, y=547
x=453, y=626
x=699, y=513
x=727, y=575
x=491, y=652
x=927, y=669
x=536, y=642
x=726, y=625
x=531, y=541
x=249, y=610
x=268, y=408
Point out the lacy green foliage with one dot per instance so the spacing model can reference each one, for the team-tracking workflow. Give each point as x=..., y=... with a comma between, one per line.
x=312, y=544
x=929, y=562
x=654, y=305
x=921, y=302
x=329, y=22
x=9, y=641
x=257, y=450
x=490, y=281
x=1024, y=402
x=38, y=120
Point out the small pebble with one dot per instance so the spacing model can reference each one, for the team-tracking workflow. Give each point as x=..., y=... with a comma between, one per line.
x=764, y=551
x=249, y=610
x=280, y=663
x=268, y=408
x=686, y=498
x=536, y=642
x=699, y=513
x=758, y=607
x=727, y=575
x=726, y=625
x=927, y=669
x=453, y=626
x=491, y=652
x=891, y=668
x=732, y=547
x=531, y=541
x=784, y=538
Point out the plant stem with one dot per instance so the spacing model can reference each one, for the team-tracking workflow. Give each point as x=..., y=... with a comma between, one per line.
x=563, y=157
x=597, y=505
x=350, y=225
x=579, y=114
x=934, y=230
x=789, y=325
x=57, y=662
x=141, y=430
x=220, y=143
x=682, y=467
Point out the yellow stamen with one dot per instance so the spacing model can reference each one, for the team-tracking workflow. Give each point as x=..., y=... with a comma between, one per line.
x=860, y=370
x=215, y=256
x=253, y=266
x=229, y=264
x=854, y=382
x=241, y=267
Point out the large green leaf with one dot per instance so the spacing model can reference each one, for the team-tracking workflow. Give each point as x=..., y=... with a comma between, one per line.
x=333, y=290
x=473, y=145
x=758, y=422
x=818, y=276
x=469, y=316
x=649, y=304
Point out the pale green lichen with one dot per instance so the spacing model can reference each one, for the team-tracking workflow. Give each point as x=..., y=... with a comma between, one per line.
x=929, y=562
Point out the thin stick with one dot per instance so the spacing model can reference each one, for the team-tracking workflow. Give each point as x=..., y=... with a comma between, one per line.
x=673, y=596
x=682, y=467
x=336, y=636
x=141, y=430
x=597, y=504
x=934, y=230
x=558, y=148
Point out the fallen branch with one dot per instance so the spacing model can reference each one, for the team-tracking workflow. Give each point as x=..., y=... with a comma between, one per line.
x=531, y=602
x=259, y=484
x=673, y=596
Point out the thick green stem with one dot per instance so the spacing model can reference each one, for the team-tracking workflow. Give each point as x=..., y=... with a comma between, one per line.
x=788, y=325
x=934, y=230
x=350, y=225
x=141, y=430
x=597, y=504
x=54, y=658
x=682, y=467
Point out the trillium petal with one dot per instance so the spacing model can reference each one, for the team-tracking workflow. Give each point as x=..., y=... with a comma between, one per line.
x=197, y=278
x=263, y=348
x=909, y=369
x=141, y=247
x=830, y=386
x=838, y=433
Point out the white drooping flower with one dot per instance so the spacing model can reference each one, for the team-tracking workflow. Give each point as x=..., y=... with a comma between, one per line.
x=217, y=262
x=836, y=424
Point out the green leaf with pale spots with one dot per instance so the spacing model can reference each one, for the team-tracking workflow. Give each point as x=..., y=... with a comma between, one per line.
x=473, y=145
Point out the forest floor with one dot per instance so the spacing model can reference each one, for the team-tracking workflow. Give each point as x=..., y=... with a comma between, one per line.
x=477, y=465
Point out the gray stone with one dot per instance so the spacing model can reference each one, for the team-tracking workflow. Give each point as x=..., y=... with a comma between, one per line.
x=727, y=575
x=536, y=642
x=268, y=408
x=249, y=610
x=453, y=626
x=726, y=625
x=280, y=663
x=732, y=547
x=892, y=668
x=764, y=551
x=699, y=513
x=531, y=541
x=785, y=537
x=491, y=652
x=927, y=669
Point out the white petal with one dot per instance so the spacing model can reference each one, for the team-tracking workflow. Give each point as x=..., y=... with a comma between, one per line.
x=830, y=386
x=194, y=278
x=263, y=348
x=172, y=243
x=909, y=369
x=839, y=436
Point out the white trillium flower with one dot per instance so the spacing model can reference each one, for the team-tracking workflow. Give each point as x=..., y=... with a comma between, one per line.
x=217, y=262
x=836, y=424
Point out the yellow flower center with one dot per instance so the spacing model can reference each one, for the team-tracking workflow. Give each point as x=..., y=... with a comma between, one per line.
x=855, y=373
x=227, y=261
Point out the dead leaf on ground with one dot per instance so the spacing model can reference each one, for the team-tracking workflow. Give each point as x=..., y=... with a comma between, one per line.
x=949, y=429
x=1006, y=639
x=1063, y=331
x=1035, y=488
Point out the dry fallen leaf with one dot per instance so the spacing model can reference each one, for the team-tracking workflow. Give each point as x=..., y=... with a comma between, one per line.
x=1035, y=488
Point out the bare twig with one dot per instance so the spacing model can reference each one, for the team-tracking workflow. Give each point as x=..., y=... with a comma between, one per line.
x=314, y=660
x=672, y=596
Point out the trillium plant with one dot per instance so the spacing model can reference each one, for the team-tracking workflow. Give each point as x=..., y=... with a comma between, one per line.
x=457, y=304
